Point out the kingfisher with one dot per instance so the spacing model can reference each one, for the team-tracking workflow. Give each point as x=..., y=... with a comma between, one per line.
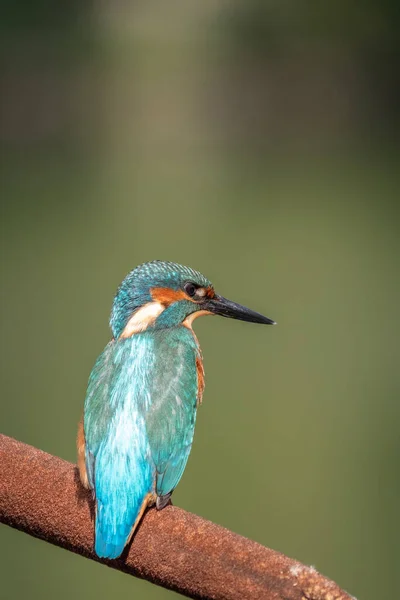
x=137, y=429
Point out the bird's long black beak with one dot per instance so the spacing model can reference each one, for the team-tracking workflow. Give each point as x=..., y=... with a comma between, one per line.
x=225, y=308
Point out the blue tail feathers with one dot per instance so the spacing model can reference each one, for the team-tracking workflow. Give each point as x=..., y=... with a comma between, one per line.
x=122, y=482
x=111, y=536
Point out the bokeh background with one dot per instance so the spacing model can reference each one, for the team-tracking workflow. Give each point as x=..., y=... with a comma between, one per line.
x=257, y=142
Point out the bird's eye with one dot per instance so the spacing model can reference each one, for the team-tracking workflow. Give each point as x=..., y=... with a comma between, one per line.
x=190, y=289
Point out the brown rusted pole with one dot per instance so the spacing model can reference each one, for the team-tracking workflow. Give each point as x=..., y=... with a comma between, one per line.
x=40, y=494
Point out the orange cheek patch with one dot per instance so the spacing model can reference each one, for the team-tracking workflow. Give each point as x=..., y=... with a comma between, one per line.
x=210, y=292
x=166, y=296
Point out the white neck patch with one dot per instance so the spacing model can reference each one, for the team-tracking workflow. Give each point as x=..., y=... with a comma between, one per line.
x=142, y=318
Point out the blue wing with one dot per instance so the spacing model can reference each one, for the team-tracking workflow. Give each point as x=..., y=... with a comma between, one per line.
x=139, y=419
x=171, y=418
x=118, y=459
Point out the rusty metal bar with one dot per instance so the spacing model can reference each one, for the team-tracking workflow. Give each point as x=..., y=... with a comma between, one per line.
x=40, y=494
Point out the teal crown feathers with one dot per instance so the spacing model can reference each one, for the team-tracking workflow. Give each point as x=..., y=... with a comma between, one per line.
x=135, y=289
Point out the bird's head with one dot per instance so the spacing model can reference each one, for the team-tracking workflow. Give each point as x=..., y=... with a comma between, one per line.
x=163, y=294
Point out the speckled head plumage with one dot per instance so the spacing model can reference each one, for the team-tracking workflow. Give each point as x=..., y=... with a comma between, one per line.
x=138, y=290
x=160, y=294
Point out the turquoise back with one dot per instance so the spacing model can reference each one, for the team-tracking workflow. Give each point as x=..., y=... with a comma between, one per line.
x=139, y=418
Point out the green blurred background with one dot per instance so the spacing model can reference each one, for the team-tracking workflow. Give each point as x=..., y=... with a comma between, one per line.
x=257, y=142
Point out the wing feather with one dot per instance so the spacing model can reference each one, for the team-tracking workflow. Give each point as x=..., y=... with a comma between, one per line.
x=118, y=461
x=171, y=418
x=139, y=419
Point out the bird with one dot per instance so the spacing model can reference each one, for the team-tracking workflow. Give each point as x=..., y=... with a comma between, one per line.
x=136, y=433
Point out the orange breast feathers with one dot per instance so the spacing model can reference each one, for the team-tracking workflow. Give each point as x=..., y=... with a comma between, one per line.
x=80, y=444
x=200, y=379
